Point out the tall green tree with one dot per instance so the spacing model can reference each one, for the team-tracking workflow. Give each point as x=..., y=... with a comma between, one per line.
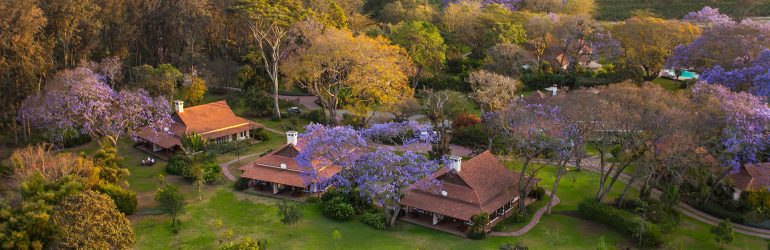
x=270, y=27
x=73, y=26
x=649, y=41
x=423, y=42
x=24, y=58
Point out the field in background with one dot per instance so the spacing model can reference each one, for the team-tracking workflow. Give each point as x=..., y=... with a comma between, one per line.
x=615, y=10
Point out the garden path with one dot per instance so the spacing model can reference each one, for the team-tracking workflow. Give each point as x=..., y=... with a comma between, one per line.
x=226, y=169
x=532, y=223
x=592, y=164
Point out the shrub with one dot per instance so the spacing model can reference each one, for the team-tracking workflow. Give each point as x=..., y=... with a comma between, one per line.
x=241, y=184
x=537, y=193
x=181, y=165
x=352, y=197
x=124, y=200
x=375, y=219
x=465, y=120
x=539, y=81
x=338, y=209
x=260, y=134
x=474, y=136
x=290, y=212
x=622, y=220
x=719, y=212
x=757, y=201
x=511, y=246
x=477, y=230
x=178, y=165
x=516, y=217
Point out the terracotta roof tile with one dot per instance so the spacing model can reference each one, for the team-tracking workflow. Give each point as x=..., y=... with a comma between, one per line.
x=211, y=117
x=753, y=176
x=486, y=185
x=212, y=120
x=268, y=168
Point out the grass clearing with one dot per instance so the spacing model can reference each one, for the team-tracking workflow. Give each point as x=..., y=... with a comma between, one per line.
x=257, y=217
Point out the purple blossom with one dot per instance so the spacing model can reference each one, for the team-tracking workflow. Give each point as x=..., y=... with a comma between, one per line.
x=753, y=78
x=80, y=100
x=708, y=16
x=383, y=177
x=534, y=128
x=728, y=44
x=326, y=145
x=398, y=133
x=742, y=125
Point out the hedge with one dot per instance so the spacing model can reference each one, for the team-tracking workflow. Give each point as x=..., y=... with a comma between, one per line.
x=375, y=219
x=622, y=220
x=124, y=200
x=338, y=209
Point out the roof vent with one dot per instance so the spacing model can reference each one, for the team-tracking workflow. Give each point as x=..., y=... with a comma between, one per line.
x=444, y=193
x=165, y=129
x=283, y=165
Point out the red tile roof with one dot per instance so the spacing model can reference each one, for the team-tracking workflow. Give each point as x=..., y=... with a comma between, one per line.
x=211, y=120
x=753, y=176
x=482, y=185
x=269, y=168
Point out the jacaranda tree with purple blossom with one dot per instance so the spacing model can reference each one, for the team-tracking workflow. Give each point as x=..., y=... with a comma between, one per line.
x=735, y=127
x=707, y=16
x=753, y=77
x=324, y=145
x=535, y=130
x=397, y=133
x=727, y=44
x=383, y=177
x=80, y=100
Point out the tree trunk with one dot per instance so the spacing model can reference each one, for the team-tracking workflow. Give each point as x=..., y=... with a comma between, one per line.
x=712, y=187
x=559, y=174
x=625, y=190
x=394, y=216
x=522, y=187
x=276, y=108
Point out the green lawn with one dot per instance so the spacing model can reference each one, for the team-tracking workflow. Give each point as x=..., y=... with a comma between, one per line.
x=257, y=217
x=668, y=84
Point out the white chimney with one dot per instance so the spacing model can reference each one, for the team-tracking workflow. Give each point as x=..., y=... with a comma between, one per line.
x=455, y=163
x=179, y=106
x=291, y=137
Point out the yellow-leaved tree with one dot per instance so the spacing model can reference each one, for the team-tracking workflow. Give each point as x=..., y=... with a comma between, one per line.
x=647, y=41
x=343, y=69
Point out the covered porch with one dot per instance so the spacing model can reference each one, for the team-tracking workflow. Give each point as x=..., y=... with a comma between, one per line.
x=436, y=221
x=155, y=150
x=456, y=226
x=283, y=191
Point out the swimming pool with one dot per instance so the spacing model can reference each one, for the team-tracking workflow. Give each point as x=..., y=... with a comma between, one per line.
x=684, y=75
x=687, y=75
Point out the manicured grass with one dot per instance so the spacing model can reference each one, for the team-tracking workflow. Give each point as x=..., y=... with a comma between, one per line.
x=257, y=217
x=668, y=84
